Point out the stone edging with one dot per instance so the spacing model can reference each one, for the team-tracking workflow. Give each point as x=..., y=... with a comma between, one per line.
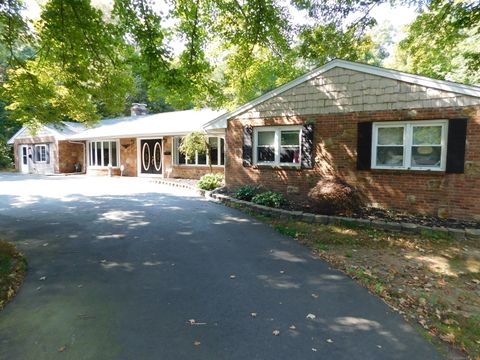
x=458, y=234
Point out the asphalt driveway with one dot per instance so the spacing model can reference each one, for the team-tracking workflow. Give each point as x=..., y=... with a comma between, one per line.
x=118, y=267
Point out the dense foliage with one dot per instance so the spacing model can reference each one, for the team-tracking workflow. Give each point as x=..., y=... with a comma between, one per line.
x=82, y=61
x=270, y=198
x=247, y=192
x=210, y=181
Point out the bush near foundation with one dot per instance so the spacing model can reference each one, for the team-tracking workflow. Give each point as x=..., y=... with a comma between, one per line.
x=270, y=198
x=247, y=192
x=333, y=195
x=210, y=181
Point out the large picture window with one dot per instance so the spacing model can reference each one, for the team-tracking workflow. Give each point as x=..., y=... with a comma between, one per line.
x=217, y=146
x=103, y=153
x=277, y=145
x=416, y=145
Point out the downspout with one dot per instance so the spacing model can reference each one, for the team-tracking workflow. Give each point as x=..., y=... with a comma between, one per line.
x=84, y=155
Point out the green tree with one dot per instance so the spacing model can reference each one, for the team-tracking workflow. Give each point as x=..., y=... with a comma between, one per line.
x=78, y=71
x=443, y=42
x=196, y=142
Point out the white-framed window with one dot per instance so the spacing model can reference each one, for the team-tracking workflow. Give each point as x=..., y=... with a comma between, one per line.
x=217, y=146
x=414, y=145
x=279, y=145
x=101, y=153
x=41, y=153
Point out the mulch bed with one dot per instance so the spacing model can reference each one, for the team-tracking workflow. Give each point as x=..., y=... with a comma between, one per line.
x=382, y=215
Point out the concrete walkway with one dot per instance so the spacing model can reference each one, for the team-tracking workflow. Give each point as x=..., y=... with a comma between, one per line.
x=119, y=266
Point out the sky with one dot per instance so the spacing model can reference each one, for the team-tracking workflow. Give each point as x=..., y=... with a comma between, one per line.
x=398, y=17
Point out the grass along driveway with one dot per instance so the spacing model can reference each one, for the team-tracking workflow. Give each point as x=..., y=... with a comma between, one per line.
x=430, y=278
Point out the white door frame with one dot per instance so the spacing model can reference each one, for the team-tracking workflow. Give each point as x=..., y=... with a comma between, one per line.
x=139, y=156
x=24, y=168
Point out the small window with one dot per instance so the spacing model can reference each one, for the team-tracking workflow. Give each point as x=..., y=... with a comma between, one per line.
x=277, y=145
x=419, y=145
x=40, y=153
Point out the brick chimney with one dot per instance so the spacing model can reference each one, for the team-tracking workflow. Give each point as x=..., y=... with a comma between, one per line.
x=138, y=109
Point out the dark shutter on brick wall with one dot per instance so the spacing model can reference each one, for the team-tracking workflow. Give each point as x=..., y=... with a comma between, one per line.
x=47, y=153
x=457, y=136
x=364, y=145
x=307, y=146
x=247, y=145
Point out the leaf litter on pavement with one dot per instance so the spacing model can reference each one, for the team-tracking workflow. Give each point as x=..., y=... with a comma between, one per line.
x=430, y=278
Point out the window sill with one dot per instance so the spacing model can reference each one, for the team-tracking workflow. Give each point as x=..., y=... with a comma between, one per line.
x=94, y=167
x=277, y=167
x=409, y=171
x=200, y=166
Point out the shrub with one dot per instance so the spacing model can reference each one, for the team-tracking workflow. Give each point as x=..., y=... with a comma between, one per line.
x=333, y=195
x=247, y=192
x=270, y=198
x=210, y=181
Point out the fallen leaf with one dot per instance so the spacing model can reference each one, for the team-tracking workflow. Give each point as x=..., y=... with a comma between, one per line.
x=62, y=349
x=449, y=337
x=196, y=343
x=276, y=332
x=311, y=316
x=450, y=321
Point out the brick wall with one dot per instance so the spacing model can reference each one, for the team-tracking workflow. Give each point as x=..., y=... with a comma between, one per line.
x=335, y=144
x=68, y=155
x=128, y=156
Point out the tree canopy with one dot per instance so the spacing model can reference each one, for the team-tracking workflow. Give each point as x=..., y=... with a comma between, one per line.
x=81, y=62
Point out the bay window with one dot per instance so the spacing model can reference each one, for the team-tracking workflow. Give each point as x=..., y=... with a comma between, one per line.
x=277, y=145
x=416, y=145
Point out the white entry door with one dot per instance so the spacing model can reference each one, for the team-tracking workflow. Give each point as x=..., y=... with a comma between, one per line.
x=23, y=159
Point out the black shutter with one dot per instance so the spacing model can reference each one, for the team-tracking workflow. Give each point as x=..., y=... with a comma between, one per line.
x=457, y=136
x=364, y=145
x=307, y=146
x=47, y=153
x=247, y=145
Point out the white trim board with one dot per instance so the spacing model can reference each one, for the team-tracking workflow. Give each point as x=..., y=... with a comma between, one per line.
x=469, y=90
